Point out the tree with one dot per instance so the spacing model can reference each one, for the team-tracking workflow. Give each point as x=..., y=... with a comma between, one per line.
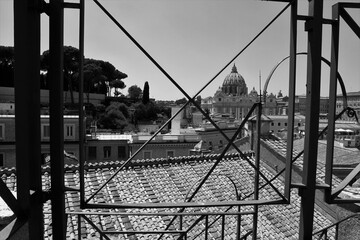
x=92, y=75
x=71, y=67
x=144, y=112
x=115, y=117
x=97, y=73
x=146, y=98
x=198, y=100
x=7, y=66
x=134, y=92
x=181, y=101
x=117, y=84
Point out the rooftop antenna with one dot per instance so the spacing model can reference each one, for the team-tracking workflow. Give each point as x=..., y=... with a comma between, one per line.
x=260, y=84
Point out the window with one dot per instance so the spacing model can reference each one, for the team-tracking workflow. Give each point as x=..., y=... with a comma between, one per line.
x=170, y=153
x=69, y=131
x=2, y=131
x=299, y=124
x=279, y=124
x=147, y=154
x=92, y=153
x=107, y=152
x=272, y=124
x=1, y=159
x=285, y=124
x=45, y=131
x=220, y=144
x=121, y=152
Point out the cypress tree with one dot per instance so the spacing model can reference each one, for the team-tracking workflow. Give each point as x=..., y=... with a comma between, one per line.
x=145, y=98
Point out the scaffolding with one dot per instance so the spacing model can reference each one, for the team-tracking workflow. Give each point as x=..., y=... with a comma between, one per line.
x=28, y=207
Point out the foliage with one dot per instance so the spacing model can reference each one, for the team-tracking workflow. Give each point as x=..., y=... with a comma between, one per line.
x=114, y=117
x=181, y=101
x=117, y=83
x=71, y=66
x=134, y=92
x=144, y=112
x=97, y=73
x=198, y=100
x=146, y=98
x=7, y=66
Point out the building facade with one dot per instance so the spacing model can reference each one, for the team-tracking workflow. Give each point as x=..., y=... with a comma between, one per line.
x=7, y=138
x=233, y=98
x=300, y=105
x=353, y=101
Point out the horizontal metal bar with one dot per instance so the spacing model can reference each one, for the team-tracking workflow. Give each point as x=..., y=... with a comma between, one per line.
x=146, y=232
x=71, y=189
x=71, y=5
x=159, y=213
x=349, y=5
x=187, y=204
x=349, y=200
x=318, y=186
x=303, y=18
x=328, y=21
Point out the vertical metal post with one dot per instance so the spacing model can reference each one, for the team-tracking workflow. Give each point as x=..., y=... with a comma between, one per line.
x=337, y=231
x=292, y=86
x=257, y=165
x=27, y=112
x=332, y=100
x=238, y=224
x=81, y=104
x=314, y=29
x=181, y=222
x=206, y=226
x=57, y=119
x=79, y=226
x=222, y=227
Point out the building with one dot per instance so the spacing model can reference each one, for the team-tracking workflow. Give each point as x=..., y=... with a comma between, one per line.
x=163, y=146
x=7, y=138
x=353, y=101
x=102, y=147
x=8, y=94
x=233, y=98
x=300, y=105
x=277, y=125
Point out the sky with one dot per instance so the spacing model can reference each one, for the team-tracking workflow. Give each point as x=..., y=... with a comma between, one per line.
x=194, y=39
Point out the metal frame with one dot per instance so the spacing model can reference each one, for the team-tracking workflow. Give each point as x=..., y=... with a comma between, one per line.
x=28, y=206
x=338, y=11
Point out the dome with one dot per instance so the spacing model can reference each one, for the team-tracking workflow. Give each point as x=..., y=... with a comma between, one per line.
x=234, y=83
x=253, y=92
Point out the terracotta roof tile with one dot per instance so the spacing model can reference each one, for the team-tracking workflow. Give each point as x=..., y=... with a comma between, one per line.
x=165, y=181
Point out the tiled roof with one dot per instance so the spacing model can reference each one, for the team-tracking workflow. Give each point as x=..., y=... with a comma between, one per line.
x=170, y=180
x=339, y=155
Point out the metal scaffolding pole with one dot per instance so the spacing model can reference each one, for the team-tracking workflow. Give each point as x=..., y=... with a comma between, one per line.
x=57, y=119
x=27, y=112
x=314, y=28
x=292, y=86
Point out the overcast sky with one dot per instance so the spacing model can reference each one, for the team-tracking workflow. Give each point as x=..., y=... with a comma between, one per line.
x=194, y=39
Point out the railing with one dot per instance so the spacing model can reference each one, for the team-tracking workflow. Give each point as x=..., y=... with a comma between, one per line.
x=323, y=233
x=180, y=233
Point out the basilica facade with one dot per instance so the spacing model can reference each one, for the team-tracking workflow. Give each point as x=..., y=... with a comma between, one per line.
x=234, y=100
